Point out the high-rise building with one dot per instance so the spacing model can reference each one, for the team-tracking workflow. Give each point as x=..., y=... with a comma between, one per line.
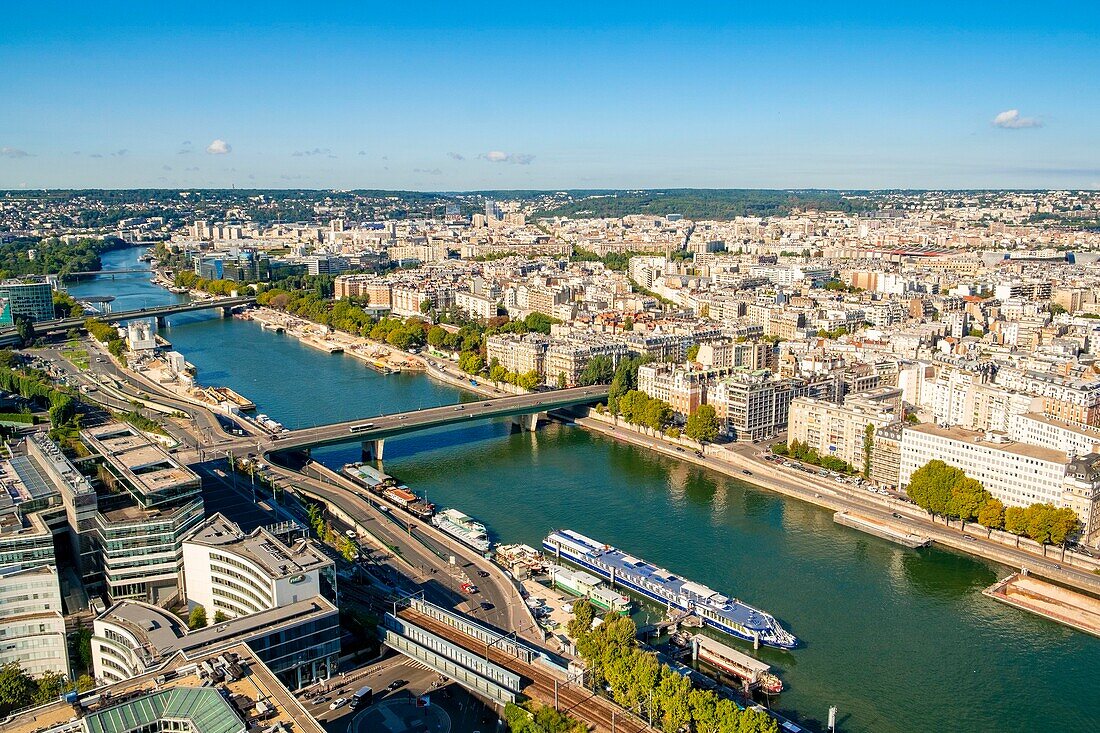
x=26, y=298
x=32, y=627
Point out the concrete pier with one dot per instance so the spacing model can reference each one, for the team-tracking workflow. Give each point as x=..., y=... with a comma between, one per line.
x=883, y=531
x=529, y=423
x=372, y=450
x=1076, y=610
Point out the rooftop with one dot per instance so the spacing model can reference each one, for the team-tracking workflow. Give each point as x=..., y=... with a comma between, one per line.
x=994, y=441
x=147, y=466
x=260, y=546
x=163, y=633
x=253, y=699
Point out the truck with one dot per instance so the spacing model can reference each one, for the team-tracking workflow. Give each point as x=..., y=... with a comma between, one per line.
x=364, y=697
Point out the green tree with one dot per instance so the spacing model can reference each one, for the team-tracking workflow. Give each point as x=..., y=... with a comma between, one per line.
x=17, y=689
x=702, y=425
x=583, y=615
x=968, y=496
x=930, y=486
x=992, y=514
x=1016, y=520
x=528, y=380
x=693, y=352
x=868, y=449
x=598, y=370
x=561, y=380
x=81, y=643
x=657, y=414
x=197, y=619
x=220, y=617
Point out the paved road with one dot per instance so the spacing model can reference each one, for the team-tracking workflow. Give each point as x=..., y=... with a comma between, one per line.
x=437, y=576
x=841, y=497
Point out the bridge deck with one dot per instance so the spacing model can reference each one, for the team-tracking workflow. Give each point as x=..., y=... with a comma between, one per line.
x=388, y=426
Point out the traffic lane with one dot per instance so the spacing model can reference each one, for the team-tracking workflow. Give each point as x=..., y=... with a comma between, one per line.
x=409, y=679
x=390, y=530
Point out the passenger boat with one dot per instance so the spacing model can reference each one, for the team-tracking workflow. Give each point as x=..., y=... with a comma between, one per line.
x=715, y=610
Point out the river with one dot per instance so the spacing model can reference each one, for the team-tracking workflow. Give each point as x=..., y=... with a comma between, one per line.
x=899, y=640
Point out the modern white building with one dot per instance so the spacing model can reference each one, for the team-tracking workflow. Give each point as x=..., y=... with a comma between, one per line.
x=231, y=573
x=32, y=627
x=1017, y=473
x=299, y=642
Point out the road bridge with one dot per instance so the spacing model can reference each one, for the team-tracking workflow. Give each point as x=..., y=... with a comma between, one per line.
x=526, y=409
x=159, y=312
x=104, y=273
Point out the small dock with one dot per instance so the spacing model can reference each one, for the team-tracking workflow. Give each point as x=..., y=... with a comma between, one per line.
x=1068, y=607
x=881, y=530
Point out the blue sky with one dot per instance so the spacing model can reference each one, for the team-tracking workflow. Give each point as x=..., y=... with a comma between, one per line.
x=450, y=96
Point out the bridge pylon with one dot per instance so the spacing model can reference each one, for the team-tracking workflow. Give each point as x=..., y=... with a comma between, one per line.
x=528, y=423
x=372, y=450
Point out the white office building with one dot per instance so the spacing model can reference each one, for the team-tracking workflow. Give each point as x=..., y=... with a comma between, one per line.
x=236, y=574
x=32, y=627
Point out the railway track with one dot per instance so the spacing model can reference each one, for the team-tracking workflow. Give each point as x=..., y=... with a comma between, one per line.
x=580, y=703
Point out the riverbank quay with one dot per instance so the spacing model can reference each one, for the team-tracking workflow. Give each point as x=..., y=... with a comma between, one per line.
x=909, y=519
x=379, y=356
x=882, y=531
x=1067, y=607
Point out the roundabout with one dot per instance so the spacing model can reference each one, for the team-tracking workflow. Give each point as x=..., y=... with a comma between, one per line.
x=401, y=716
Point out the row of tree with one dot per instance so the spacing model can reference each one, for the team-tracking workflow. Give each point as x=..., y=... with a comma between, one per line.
x=803, y=452
x=535, y=718
x=107, y=334
x=638, y=408
x=37, y=386
x=639, y=682
x=947, y=491
x=525, y=380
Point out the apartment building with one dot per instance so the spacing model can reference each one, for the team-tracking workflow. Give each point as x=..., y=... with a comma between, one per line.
x=236, y=574
x=684, y=389
x=476, y=306
x=1064, y=398
x=407, y=300
x=730, y=354
x=1068, y=438
x=375, y=290
x=754, y=405
x=568, y=359
x=836, y=430
x=518, y=354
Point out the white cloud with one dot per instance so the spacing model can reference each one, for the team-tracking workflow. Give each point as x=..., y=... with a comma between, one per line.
x=1010, y=119
x=14, y=153
x=315, y=151
x=219, y=147
x=497, y=156
x=429, y=171
x=456, y=156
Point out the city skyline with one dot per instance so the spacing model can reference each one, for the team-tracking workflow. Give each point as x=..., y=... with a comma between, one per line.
x=443, y=98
